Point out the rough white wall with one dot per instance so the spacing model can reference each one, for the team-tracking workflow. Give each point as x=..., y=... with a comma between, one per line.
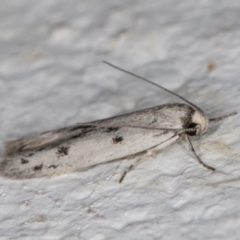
x=51, y=75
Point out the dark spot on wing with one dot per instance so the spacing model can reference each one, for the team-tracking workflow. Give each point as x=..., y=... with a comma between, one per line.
x=74, y=137
x=117, y=139
x=62, y=151
x=81, y=127
x=53, y=166
x=24, y=161
x=81, y=134
x=112, y=129
x=21, y=148
x=30, y=154
x=154, y=120
x=38, y=168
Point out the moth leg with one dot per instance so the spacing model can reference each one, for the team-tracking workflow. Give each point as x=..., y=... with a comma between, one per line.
x=193, y=151
x=151, y=152
x=129, y=169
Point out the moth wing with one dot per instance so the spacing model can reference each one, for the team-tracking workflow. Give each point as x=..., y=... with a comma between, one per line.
x=42, y=140
x=164, y=116
x=95, y=147
x=168, y=116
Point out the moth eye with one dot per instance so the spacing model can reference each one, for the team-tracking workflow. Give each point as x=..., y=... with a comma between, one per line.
x=193, y=133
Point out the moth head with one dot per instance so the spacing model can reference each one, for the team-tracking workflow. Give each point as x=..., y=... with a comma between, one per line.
x=200, y=120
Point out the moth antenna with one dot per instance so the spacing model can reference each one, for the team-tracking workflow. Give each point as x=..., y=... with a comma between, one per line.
x=222, y=117
x=148, y=81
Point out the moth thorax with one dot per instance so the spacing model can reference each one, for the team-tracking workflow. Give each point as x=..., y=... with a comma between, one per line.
x=201, y=121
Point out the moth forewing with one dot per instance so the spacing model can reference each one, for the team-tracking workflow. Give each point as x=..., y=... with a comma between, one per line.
x=85, y=145
x=80, y=152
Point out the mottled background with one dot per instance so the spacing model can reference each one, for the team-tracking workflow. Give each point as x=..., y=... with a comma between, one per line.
x=52, y=75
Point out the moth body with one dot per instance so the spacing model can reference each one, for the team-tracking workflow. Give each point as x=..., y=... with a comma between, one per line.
x=85, y=145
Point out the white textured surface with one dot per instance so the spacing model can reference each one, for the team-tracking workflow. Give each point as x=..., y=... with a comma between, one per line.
x=51, y=76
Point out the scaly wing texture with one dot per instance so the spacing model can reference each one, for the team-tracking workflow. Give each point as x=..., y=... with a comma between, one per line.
x=98, y=145
x=85, y=145
x=167, y=116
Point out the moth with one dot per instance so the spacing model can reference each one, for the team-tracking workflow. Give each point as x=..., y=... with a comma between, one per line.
x=84, y=145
